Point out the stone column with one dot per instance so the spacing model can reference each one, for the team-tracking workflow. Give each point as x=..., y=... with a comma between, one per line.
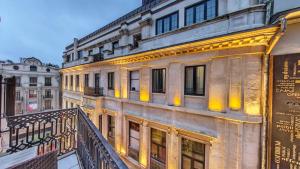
x=144, y=144
x=235, y=94
x=124, y=83
x=172, y=149
x=175, y=87
x=218, y=85
x=145, y=79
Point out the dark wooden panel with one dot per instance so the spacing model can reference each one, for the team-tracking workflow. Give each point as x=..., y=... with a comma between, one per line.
x=10, y=96
x=285, y=117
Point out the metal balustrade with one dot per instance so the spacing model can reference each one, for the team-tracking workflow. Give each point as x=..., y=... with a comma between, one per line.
x=63, y=131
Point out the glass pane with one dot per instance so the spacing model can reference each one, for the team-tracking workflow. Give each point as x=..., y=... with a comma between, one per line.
x=174, y=20
x=189, y=75
x=186, y=163
x=200, y=80
x=189, y=16
x=159, y=26
x=166, y=24
x=199, y=13
x=211, y=9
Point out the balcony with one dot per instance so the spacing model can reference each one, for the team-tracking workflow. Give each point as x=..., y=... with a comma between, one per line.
x=98, y=57
x=48, y=96
x=95, y=92
x=55, y=135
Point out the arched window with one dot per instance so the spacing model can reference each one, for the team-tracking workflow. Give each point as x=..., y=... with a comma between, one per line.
x=33, y=68
x=16, y=67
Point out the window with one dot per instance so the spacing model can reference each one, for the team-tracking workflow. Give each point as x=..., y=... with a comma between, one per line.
x=48, y=81
x=18, y=95
x=111, y=130
x=158, y=80
x=86, y=80
x=33, y=68
x=67, y=104
x=90, y=52
x=32, y=94
x=66, y=81
x=134, y=140
x=77, y=82
x=167, y=23
x=195, y=80
x=97, y=80
x=16, y=67
x=48, y=93
x=71, y=81
x=158, y=149
x=33, y=81
x=100, y=123
x=18, y=81
x=136, y=39
x=115, y=45
x=111, y=81
x=200, y=12
x=47, y=70
x=134, y=81
x=80, y=54
x=101, y=50
x=192, y=154
x=48, y=104
x=72, y=105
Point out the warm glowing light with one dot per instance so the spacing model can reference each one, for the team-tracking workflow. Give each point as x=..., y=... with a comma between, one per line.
x=143, y=160
x=252, y=109
x=216, y=105
x=124, y=92
x=117, y=93
x=177, y=101
x=235, y=100
x=144, y=96
x=123, y=151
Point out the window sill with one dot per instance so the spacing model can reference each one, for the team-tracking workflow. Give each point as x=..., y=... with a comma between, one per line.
x=195, y=96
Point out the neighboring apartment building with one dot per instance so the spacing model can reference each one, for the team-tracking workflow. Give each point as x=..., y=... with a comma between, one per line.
x=178, y=84
x=37, y=85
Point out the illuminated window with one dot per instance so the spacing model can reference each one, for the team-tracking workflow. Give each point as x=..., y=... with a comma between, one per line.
x=167, y=23
x=158, y=149
x=195, y=80
x=200, y=12
x=192, y=154
x=33, y=81
x=158, y=80
x=134, y=140
x=135, y=80
x=111, y=81
x=111, y=130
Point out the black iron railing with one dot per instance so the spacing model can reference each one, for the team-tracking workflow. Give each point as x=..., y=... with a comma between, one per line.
x=92, y=91
x=63, y=131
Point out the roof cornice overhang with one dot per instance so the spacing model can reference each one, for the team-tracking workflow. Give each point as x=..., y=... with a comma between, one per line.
x=249, y=38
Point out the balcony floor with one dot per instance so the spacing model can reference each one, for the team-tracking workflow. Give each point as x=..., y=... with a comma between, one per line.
x=69, y=161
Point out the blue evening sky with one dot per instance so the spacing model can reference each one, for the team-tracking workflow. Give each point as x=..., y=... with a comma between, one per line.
x=43, y=28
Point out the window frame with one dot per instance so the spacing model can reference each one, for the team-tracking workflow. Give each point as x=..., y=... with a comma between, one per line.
x=111, y=85
x=170, y=23
x=164, y=83
x=115, y=47
x=194, y=81
x=206, y=150
x=77, y=82
x=111, y=128
x=34, y=83
x=194, y=12
x=71, y=81
x=86, y=80
x=48, y=82
x=130, y=79
x=33, y=68
x=159, y=145
x=139, y=139
x=66, y=81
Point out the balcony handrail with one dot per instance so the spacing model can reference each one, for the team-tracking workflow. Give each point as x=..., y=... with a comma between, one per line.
x=56, y=131
x=93, y=91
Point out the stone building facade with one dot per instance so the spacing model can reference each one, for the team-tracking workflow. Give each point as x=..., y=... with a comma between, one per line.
x=37, y=85
x=178, y=84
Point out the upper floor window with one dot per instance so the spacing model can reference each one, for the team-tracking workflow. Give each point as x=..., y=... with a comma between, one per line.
x=33, y=68
x=18, y=95
x=167, y=23
x=158, y=80
x=86, y=80
x=71, y=80
x=200, y=12
x=101, y=50
x=48, y=81
x=195, y=80
x=115, y=45
x=32, y=93
x=90, y=52
x=48, y=93
x=97, y=80
x=16, y=67
x=192, y=154
x=18, y=81
x=80, y=54
x=33, y=81
x=66, y=81
x=136, y=39
x=134, y=80
x=77, y=82
x=111, y=80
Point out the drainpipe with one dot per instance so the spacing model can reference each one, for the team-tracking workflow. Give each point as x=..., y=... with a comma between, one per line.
x=265, y=93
